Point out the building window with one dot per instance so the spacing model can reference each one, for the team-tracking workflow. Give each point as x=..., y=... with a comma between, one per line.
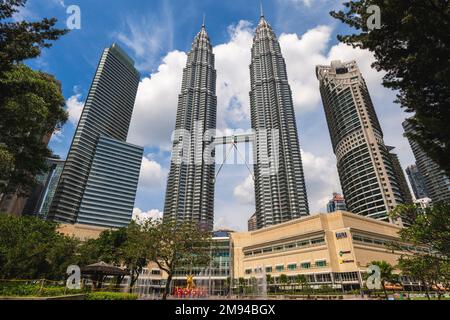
x=306, y=265
x=248, y=271
x=317, y=241
x=292, y=266
x=321, y=263
x=268, y=269
x=279, y=268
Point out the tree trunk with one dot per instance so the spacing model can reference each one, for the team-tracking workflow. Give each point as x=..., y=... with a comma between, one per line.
x=384, y=289
x=426, y=290
x=133, y=279
x=167, y=288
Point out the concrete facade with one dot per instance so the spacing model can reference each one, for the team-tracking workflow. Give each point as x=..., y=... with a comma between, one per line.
x=329, y=249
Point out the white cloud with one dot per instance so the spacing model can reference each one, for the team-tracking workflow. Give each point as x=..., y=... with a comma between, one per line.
x=75, y=108
x=148, y=36
x=233, y=80
x=244, y=192
x=302, y=54
x=321, y=180
x=156, y=103
x=141, y=216
x=152, y=175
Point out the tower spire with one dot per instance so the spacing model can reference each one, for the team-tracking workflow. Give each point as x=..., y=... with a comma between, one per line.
x=203, y=23
x=261, y=8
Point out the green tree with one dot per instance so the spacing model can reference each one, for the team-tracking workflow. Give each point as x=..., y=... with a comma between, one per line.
x=173, y=246
x=429, y=235
x=31, y=248
x=31, y=108
x=283, y=280
x=21, y=40
x=428, y=228
x=386, y=274
x=133, y=254
x=31, y=103
x=241, y=282
x=413, y=48
x=301, y=280
x=124, y=247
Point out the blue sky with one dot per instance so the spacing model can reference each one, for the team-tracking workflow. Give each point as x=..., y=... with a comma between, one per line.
x=157, y=34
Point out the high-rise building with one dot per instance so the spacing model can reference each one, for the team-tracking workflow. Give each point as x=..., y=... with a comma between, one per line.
x=251, y=223
x=190, y=185
x=436, y=182
x=108, y=199
x=280, y=191
x=401, y=179
x=42, y=195
x=417, y=182
x=337, y=203
x=106, y=113
x=365, y=168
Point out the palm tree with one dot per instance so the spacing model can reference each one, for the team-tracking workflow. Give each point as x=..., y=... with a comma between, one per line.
x=283, y=280
x=386, y=274
x=301, y=280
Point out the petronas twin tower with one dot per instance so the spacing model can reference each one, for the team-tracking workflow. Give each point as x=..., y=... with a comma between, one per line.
x=280, y=191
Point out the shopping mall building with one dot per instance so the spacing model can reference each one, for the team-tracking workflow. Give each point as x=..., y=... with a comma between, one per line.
x=331, y=249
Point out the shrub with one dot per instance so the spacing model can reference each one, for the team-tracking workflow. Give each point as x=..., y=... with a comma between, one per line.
x=110, y=296
x=34, y=290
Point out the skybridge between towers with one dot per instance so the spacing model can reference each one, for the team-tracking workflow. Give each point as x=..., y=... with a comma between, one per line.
x=233, y=141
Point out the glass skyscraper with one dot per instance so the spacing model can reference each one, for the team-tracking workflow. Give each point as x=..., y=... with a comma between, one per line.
x=280, y=191
x=367, y=173
x=38, y=204
x=436, y=182
x=190, y=185
x=337, y=203
x=107, y=113
x=417, y=182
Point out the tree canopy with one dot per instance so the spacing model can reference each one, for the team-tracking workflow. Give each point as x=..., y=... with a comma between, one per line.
x=31, y=102
x=31, y=248
x=413, y=48
x=22, y=40
x=173, y=246
x=429, y=230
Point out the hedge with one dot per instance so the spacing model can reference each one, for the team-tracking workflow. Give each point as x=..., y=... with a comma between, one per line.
x=110, y=296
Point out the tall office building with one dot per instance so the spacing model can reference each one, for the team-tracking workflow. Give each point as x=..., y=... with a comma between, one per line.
x=108, y=199
x=42, y=195
x=337, y=203
x=436, y=182
x=280, y=191
x=190, y=185
x=365, y=167
x=417, y=182
x=251, y=223
x=107, y=113
x=399, y=174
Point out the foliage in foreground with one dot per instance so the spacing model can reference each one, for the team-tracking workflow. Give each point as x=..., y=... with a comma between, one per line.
x=31, y=248
x=413, y=47
x=429, y=229
x=13, y=289
x=110, y=296
x=31, y=102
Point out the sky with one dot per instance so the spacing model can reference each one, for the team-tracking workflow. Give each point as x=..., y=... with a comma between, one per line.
x=158, y=33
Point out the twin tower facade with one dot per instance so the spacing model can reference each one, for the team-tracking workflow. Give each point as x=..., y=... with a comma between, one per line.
x=280, y=192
